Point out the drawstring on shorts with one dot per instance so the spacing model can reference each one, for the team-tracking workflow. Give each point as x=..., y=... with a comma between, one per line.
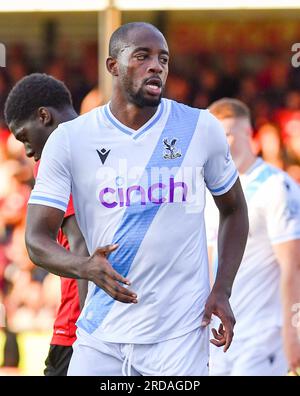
x=128, y=361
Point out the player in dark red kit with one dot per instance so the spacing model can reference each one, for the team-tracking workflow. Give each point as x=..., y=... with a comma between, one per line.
x=34, y=108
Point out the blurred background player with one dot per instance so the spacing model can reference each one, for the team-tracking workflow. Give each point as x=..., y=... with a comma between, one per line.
x=37, y=104
x=34, y=108
x=267, y=284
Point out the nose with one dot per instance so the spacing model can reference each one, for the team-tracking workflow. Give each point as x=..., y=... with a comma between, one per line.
x=155, y=66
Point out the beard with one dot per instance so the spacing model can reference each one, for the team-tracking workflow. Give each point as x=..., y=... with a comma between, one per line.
x=138, y=97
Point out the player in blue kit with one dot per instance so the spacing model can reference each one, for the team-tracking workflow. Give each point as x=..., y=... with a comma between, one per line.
x=137, y=168
x=266, y=291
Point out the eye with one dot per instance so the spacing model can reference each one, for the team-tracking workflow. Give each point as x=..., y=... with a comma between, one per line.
x=164, y=59
x=141, y=57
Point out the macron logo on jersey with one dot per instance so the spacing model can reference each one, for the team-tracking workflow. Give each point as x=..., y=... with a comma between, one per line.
x=103, y=154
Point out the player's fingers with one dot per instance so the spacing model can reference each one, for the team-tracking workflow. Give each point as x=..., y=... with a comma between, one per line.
x=217, y=335
x=228, y=335
x=111, y=248
x=206, y=316
x=221, y=329
x=107, y=249
x=109, y=271
x=118, y=277
x=117, y=288
x=119, y=294
x=228, y=322
x=218, y=343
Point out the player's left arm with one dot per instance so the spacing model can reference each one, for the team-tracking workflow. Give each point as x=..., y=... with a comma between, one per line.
x=288, y=256
x=232, y=238
x=221, y=178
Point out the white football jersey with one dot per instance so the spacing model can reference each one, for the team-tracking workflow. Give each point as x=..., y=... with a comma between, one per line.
x=273, y=200
x=144, y=190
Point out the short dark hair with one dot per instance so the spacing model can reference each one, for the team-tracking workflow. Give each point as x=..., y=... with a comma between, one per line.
x=229, y=108
x=32, y=92
x=119, y=36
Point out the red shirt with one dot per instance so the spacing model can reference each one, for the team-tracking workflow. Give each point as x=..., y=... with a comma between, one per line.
x=64, y=331
x=289, y=122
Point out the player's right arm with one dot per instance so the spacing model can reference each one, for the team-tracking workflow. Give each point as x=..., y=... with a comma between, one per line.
x=47, y=205
x=77, y=245
x=43, y=223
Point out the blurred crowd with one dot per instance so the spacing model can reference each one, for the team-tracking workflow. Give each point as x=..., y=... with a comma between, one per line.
x=29, y=294
x=272, y=91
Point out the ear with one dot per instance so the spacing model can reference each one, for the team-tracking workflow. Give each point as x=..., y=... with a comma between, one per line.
x=45, y=116
x=250, y=132
x=112, y=66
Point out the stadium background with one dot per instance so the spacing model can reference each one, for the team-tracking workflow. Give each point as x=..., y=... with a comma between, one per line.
x=239, y=53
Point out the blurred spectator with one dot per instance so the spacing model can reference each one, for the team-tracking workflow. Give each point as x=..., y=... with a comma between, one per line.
x=209, y=83
x=178, y=88
x=248, y=90
x=269, y=145
x=230, y=71
x=17, y=70
x=4, y=88
x=288, y=118
x=294, y=171
x=91, y=100
x=57, y=69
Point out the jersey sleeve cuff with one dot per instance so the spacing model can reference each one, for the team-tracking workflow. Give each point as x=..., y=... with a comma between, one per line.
x=47, y=201
x=226, y=185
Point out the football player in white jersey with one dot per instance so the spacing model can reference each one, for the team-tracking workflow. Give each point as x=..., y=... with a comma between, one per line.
x=266, y=293
x=137, y=168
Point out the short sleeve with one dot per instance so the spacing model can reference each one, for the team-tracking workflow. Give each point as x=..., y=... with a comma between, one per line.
x=283, y=210
x=220, y=173
x=53, y=183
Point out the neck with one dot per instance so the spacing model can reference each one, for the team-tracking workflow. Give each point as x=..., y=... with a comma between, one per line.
x=129, y=114
x=244, y=162
x=65, y=115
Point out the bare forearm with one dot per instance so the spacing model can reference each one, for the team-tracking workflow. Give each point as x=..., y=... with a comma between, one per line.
x=48, y=254
x=232, y=238
x=82, y=291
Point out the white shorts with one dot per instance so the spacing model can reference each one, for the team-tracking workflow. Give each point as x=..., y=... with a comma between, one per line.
x=187, y=355
x=262, y=355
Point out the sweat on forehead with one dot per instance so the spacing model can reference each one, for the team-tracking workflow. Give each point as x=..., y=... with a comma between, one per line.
x=122, y=39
